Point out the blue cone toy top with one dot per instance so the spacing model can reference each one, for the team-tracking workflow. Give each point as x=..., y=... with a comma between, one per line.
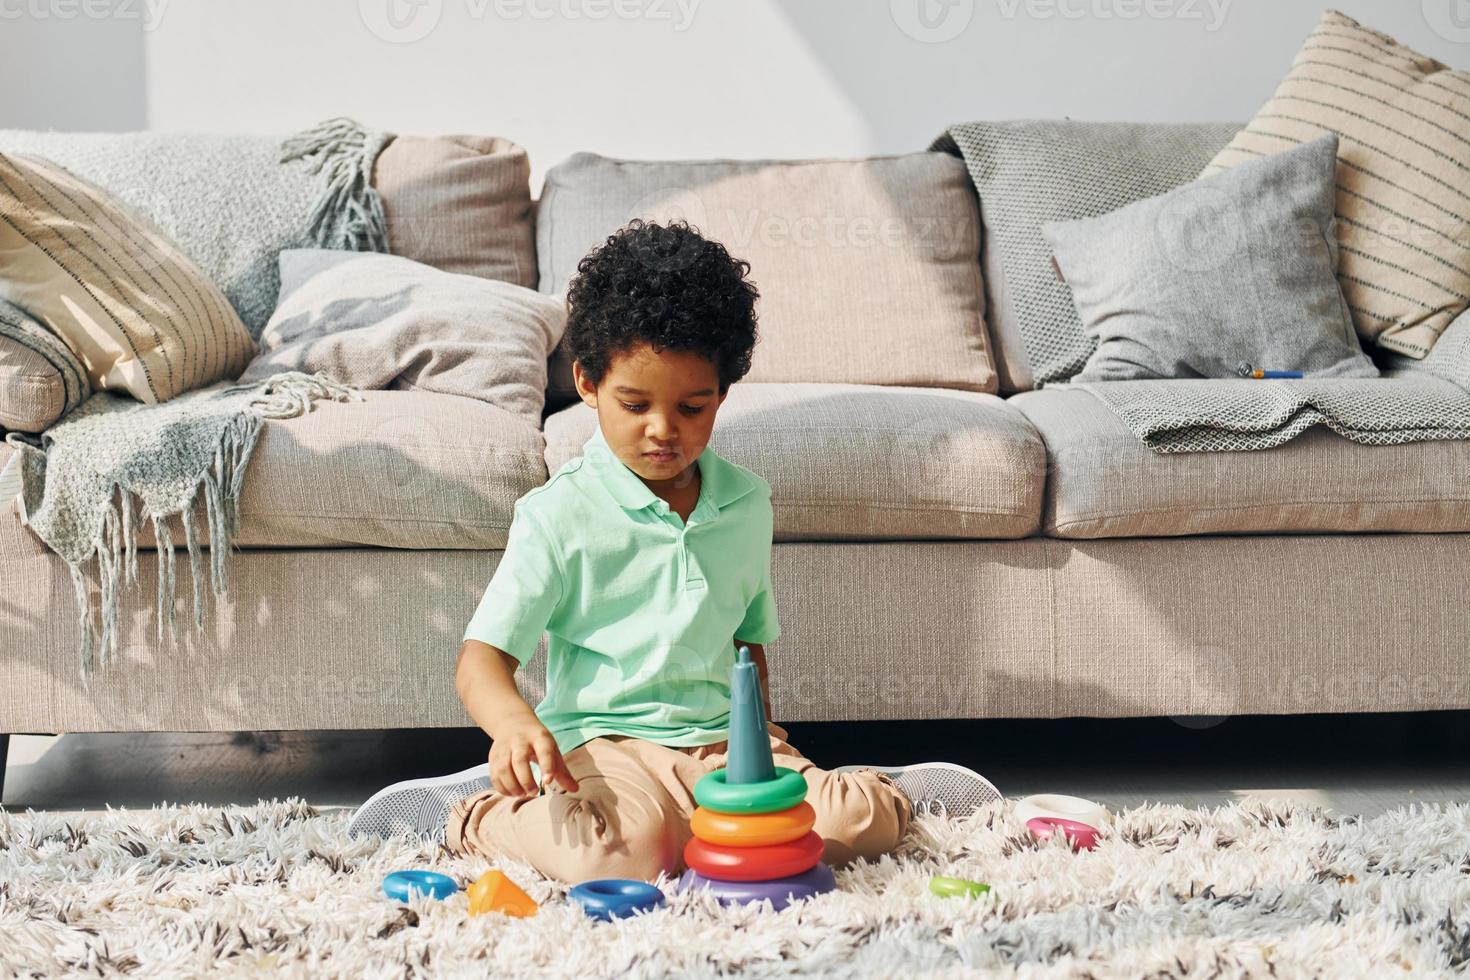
x=748, y=757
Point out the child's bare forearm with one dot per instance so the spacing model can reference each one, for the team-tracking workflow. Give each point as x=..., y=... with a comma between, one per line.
x=485, y=679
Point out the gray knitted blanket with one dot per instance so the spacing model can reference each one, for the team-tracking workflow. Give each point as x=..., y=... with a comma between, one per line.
x=1414, y=401
x=232, y=203
x=84, y=480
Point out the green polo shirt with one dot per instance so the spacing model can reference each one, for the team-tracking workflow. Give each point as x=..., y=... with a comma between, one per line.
x=641, y=609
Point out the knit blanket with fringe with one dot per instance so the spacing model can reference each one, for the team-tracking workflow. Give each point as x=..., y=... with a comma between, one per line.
x=115, y=462
x=232, y=202
x=91, y=479
x=1414, y=401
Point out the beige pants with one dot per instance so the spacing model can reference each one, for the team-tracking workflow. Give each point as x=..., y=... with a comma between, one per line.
x=630, y=815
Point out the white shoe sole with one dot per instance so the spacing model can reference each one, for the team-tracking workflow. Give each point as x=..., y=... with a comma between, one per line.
x=417, y=806
x=945, y=790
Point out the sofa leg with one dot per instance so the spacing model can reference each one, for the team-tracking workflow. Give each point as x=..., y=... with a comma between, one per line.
x=4, y=754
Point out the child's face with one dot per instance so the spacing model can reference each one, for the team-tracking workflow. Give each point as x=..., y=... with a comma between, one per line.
x=651, y=402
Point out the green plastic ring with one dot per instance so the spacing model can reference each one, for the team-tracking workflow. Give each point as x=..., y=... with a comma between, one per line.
x=782, y=793
x=957, y=887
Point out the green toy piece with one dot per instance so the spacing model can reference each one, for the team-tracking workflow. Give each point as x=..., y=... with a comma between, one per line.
x=946, y=887
x=715, y=792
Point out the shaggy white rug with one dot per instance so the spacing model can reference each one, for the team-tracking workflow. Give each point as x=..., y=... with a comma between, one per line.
x=1247, y=889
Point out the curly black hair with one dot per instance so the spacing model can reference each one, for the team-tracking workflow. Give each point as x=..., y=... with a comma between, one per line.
x=667, y=286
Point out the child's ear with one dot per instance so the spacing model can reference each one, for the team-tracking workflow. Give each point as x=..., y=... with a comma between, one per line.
x=586, y=390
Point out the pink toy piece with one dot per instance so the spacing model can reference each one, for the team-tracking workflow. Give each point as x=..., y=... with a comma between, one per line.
x=1081, y=836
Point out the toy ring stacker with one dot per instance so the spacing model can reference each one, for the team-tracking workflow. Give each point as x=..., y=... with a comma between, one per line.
x=402, y=885
x=753, y=829
x=615, y=898
x=782, y=793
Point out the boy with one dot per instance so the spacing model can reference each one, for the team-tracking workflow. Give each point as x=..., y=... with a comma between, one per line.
x=647, y=560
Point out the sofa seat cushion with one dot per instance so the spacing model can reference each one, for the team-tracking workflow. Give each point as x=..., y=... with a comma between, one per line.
x=1105, y=483
x=865, y=462
x=400, y=469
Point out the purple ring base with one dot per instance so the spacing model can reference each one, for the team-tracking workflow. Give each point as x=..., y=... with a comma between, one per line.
x=781, y=891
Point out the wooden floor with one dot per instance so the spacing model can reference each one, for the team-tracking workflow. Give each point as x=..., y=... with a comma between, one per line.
x=1350, y=764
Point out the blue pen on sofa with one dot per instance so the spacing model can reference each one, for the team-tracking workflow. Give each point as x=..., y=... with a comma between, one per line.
x=1245, y=370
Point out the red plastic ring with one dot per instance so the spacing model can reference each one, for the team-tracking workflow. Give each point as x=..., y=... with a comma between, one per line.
x=754, y=863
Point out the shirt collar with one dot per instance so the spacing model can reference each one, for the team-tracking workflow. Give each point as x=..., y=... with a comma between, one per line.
x=720, y=480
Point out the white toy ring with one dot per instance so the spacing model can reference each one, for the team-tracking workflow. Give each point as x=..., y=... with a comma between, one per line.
x=1095, y=815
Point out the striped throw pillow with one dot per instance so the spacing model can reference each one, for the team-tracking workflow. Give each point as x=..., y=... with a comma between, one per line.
x=1403, y=174
x=40, y=378
x=137, y=313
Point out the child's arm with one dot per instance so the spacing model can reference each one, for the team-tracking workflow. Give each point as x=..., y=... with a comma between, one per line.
x=758, y=656
x=485, y=679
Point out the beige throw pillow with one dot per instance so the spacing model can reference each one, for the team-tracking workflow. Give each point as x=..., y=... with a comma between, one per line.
x=138, y=314
x=1403, y=174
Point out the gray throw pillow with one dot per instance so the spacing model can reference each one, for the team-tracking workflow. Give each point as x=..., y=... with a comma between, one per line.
x=1239, y=267
x=1030, y=171
x=384, y=321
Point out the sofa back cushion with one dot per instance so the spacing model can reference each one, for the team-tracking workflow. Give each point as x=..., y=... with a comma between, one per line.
x=868, y=268
x=461, y=204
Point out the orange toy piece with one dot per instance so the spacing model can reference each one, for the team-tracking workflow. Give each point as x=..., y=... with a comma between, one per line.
x=753, y=829
x=494, y=892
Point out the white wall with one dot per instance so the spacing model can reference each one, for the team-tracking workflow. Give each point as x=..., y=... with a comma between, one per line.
x=672, y=78
x=62, y=70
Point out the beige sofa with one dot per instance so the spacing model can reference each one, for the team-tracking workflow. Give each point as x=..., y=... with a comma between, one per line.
x=942, y=552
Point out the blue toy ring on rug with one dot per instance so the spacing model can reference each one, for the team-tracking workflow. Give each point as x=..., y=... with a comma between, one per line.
x=402, y=885
x=768, y=796
x=615, y=898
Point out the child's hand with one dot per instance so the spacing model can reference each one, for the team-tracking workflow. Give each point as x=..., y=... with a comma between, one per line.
x=511, y=755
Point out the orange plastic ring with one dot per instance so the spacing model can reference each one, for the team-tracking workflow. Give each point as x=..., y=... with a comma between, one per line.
x=754, y=863
x=752, y=829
